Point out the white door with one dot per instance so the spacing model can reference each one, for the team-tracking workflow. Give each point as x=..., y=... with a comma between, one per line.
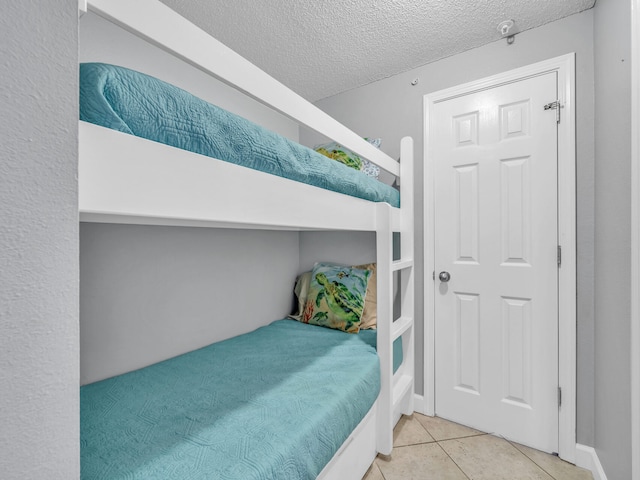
x=496, y=318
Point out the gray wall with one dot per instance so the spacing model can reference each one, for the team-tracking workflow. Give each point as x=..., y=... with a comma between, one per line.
x=150, y=293
x=39, y=411
x=613, y=237
x=392, y=108
x=354, y=248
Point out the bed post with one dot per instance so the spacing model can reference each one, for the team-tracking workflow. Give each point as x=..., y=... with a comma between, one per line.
x=384, y=259
x=396, y=389
x=407, y=268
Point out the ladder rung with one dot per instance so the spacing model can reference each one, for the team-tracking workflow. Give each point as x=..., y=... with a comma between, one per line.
x=400, y=326
x=401, y=265
x=401, y=387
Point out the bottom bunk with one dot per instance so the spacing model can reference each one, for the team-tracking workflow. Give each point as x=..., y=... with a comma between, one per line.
x=286, y=401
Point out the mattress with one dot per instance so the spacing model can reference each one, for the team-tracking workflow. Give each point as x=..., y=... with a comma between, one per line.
x=276, y=403
x=141, y=105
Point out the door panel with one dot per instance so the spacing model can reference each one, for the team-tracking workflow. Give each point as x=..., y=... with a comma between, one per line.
x=496, y=319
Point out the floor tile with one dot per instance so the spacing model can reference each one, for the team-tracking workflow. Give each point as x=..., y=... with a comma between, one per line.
x=434, y=448
x=485, y=457
x=441, y=429
x=374, y=473
x=555, y=466
x=419, y=462
x=409, y=431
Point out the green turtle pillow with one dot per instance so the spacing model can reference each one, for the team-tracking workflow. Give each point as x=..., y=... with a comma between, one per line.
x=336, y=297
x=343, y=155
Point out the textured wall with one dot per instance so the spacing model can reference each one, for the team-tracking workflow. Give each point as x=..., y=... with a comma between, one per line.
x=392, y=108
x=355, y=248
x=613, y=237
x=38, y=241
x=150, y=293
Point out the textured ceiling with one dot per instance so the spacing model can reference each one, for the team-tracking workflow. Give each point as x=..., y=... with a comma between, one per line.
x=325, y=47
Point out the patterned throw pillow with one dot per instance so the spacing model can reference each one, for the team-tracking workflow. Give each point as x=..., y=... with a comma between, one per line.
x=336, y=297
x=368, y=168
x=343, y=155
x=369, y=318
x=370, y=313
x=337, y=152
x=301, y=290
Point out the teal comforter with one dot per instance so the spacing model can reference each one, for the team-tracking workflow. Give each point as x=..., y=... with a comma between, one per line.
x=273, y=404
x=135, y=103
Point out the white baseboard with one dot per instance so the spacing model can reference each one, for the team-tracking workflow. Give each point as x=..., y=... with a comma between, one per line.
x=586, y=457
x=418, y=403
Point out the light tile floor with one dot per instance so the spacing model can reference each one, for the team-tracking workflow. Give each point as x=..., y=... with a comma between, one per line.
x=436, y=449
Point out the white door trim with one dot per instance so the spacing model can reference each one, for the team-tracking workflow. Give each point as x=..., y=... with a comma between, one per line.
x=565, y=68
x=635, y=239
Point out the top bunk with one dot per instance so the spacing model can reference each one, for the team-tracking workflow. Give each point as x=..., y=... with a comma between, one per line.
x=126, y=178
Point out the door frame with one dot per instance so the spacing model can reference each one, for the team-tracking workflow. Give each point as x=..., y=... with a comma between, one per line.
x=565, y=67
x=635, y=239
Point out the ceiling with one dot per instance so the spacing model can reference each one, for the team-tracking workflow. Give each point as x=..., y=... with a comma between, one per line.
x=325, y=47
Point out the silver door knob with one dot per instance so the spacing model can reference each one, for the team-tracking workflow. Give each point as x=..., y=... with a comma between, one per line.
x=444, y=276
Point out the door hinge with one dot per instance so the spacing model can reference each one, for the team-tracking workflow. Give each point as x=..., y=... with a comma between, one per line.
x=559, y=396
x=554, y=106
x=559, y=255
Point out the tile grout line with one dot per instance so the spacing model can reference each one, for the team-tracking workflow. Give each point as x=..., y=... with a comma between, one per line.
x=523, y=454
x=381, y=472
x=443, y=440
x=451, y=458
x=479, y=434
x=437, y=442
x=375, y=464
x=530, y=459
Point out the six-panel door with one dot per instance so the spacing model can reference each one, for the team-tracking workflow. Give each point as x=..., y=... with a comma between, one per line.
x=496, y=318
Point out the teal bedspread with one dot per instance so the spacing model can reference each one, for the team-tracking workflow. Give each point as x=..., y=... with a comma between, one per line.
x=371, y=338
x=276, y=403
x=135, y=103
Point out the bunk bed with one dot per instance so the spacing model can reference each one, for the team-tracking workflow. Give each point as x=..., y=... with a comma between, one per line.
x=128, y=179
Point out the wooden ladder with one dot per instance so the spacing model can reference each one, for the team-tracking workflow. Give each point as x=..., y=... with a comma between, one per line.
x=396, y=389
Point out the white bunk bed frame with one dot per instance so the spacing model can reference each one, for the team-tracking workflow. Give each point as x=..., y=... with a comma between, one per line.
x=126, y=179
